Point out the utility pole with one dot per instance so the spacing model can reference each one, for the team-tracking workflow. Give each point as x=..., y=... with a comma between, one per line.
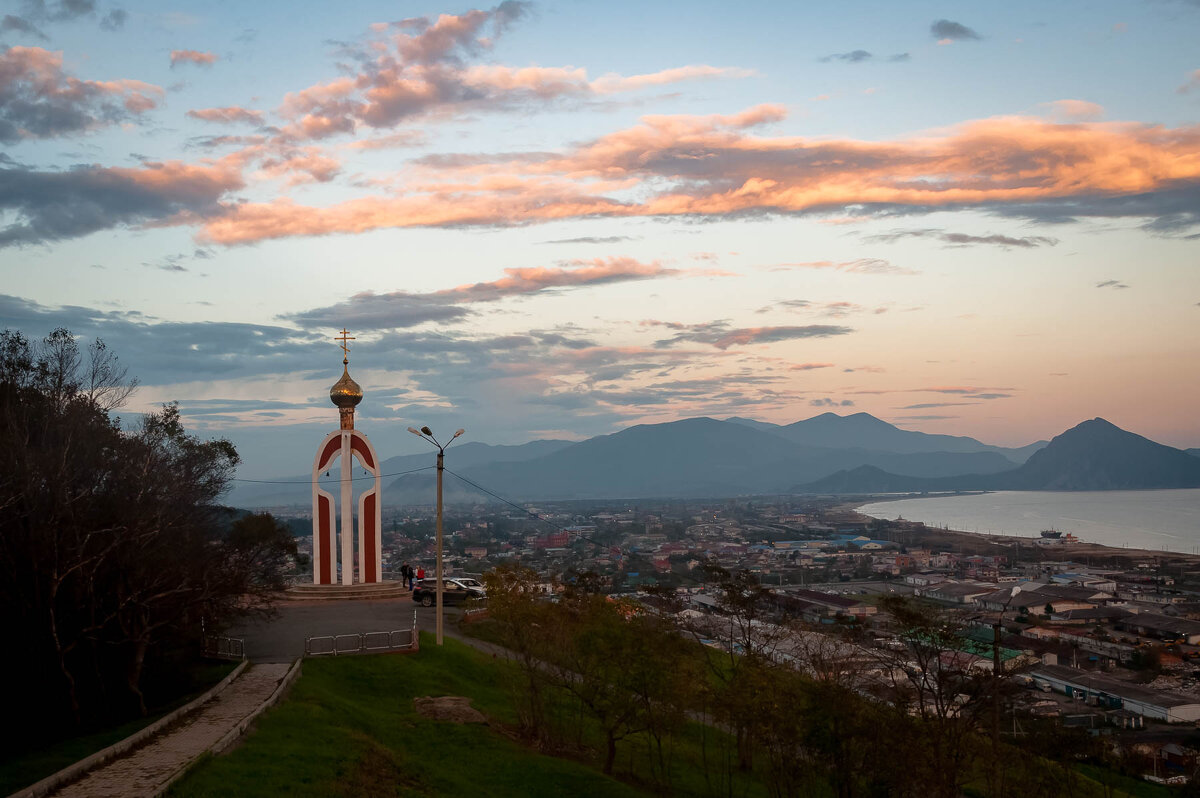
x=425, y=434
x=996, y=691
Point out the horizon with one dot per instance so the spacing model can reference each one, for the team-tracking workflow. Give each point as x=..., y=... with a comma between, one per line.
x=540, y=222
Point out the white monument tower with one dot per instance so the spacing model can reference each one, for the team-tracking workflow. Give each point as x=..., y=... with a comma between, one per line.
x=349, y=444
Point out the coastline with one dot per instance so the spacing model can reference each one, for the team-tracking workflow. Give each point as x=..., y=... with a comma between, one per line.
x=919, y=534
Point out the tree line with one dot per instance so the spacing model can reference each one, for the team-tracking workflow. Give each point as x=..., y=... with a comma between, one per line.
x=115, y=552
x=772, y=701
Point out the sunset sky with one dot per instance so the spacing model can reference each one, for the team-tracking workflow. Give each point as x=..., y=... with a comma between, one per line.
x=559, y=219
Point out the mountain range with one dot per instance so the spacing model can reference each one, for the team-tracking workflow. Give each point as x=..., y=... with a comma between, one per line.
x=703, y=457
x=1094, y=455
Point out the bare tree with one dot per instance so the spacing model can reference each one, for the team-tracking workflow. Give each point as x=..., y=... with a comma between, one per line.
x=112, y=544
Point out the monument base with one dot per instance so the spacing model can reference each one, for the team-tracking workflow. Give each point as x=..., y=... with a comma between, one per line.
x=362, y=592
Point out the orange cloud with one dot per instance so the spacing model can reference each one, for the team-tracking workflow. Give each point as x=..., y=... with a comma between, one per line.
x=420, y=68
x=712, y=166
x=533, y=279
x=192, y=57
x=39, y=100
x=230, y=115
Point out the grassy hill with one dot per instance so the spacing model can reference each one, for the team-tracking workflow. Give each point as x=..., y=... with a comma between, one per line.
x=348, y=728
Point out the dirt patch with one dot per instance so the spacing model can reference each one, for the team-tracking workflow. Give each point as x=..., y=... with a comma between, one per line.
x=450, y=708
x=378, y=774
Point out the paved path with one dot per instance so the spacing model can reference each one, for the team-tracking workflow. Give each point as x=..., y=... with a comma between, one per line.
x=281, y=638
x=144, y=770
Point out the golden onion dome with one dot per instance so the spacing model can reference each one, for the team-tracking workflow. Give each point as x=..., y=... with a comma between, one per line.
x=345, y=392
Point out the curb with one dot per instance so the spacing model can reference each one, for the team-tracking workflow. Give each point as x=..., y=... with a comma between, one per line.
x=237, y=731
x=73, y=772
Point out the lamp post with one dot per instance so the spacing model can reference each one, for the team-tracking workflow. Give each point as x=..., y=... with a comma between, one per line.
x=996, y=690
x=425, y=434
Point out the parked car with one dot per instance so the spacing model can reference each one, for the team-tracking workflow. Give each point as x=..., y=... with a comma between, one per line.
x=454, y=591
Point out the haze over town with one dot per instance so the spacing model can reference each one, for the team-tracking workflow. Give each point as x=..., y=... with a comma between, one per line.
x=544, y=221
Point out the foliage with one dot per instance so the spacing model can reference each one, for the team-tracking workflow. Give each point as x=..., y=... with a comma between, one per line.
x=113, y=550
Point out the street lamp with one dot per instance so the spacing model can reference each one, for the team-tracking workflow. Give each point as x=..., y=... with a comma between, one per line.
x=425, y=434
x=996, y=690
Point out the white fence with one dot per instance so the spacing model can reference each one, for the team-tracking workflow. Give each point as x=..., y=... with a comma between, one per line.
x=224, y=647
x=362, y=642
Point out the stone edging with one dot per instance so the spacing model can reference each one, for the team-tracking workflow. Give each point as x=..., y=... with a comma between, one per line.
x=238, y=730
x=73, y=772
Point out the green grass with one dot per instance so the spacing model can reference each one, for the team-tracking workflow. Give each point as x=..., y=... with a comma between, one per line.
x=30, y=766
x=348, y=727
x=1126, y=785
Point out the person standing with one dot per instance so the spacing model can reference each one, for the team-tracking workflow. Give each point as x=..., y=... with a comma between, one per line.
x=406, y=576
x=420, y=572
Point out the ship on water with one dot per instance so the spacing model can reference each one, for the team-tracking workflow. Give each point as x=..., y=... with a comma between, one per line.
x=1054, y=536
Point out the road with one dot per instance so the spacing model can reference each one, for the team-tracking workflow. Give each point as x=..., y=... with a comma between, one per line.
x=281, y=639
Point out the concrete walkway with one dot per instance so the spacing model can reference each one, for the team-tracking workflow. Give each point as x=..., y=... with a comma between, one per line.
x=281, y=638
x=145, y=771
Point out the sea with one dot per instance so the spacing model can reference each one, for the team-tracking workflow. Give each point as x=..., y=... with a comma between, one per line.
x=1165, y=520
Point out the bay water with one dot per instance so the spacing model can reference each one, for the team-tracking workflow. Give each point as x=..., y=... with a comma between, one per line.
x=1165, y=520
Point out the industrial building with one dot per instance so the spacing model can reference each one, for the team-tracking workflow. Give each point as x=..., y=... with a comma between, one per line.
x=1105, y=691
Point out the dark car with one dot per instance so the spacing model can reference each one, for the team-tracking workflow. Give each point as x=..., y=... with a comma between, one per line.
x=454, y=591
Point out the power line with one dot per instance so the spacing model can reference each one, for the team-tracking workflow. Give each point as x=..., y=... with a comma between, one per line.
x=314, y=482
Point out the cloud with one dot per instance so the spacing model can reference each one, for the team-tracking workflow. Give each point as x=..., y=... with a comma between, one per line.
x=51, y=206
x=420, y=67
x=404, y=138
x=114, y=19
x=192, y=57
x=38, y=11
x=1074, y=110
x=38, y=100
x=946, y=31
x=963, y=239
x=558, y=377
x=1191, y=84
x=809, y=366
x=852, y=57
x=720, y=335
x=715, y=167
x=827, y=402
x=162, y=352
x=965, y=391
x=591, y=240
x=835, y=310
x=1111, y=284
x=954, y=389
x=530, y=280
x=230, y=115
x=403, y=309
x=857, y=266
x=931, y=405
x=857, y=57
x=21, y=25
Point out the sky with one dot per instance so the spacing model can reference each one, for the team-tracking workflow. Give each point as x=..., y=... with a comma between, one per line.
x=560, y=219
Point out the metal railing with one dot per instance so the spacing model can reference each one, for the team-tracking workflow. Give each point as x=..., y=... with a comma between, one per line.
x=362, y=642
x=223, y=647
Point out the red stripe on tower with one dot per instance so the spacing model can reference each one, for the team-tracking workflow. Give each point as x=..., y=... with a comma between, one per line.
x=370, y=553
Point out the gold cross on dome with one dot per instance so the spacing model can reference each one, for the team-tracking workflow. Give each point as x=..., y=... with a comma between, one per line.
x=345, y=339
